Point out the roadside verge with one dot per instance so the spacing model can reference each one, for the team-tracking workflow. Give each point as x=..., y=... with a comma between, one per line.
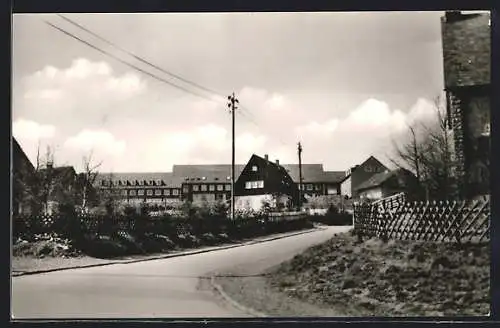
x=170, y=255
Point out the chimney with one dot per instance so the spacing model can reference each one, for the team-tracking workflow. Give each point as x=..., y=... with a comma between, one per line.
x=266, y=157
x=277, y=162
x=453, y=15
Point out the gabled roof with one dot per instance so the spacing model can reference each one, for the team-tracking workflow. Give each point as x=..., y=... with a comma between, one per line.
x=61, y=170
x=17, y=151
x=206, y=172
x=380, y=178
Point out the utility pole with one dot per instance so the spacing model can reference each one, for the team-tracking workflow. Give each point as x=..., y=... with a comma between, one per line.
x=299, y=150
x=232, y=105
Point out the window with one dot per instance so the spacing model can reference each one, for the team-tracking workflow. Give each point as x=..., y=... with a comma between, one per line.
x=103, y=183
x=228, y=187
x=124, y=192
x=196, y=187
x=220, y=187
x=203, y=187
x=219, y=196
x=166, y=192
x=119, y=182
x=149, y=192
x=254, y=184
x=211, y=187
x=309, y=186
x=158, y=192
x=185, y=189
x=140, y=192
x=228, y=178
x=132, y=193
x=318, y=187
x=203, y=178
x=159, y=182
x=254, y=168
x=175, y=192
x=151, y=182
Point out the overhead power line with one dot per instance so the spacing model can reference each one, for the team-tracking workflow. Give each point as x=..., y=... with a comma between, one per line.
x=151, y=64
x=243, y=111
x=127, y=63
x=139, y=58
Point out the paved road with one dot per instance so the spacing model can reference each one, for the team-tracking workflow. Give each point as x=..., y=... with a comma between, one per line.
x=151, y=289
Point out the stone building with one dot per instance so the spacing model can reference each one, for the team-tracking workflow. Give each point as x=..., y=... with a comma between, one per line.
x=466, y=40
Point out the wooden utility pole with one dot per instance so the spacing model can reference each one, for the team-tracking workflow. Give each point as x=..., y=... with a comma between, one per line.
x=232, y=105
x=299, y=150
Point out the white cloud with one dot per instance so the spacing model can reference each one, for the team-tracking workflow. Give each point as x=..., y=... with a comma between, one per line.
x=102, y=141
x=32, y=131
x=83, y=79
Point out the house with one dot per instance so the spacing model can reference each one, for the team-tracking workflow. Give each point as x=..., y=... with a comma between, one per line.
x=387, y=183
x=262, y=180
x=205, y=183
x=22, y=173
x=157, y=188
x=358, y=174
x=58, y=185
x=466, y=42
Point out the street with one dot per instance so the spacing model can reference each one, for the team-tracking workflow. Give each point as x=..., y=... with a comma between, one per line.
x=165, y=288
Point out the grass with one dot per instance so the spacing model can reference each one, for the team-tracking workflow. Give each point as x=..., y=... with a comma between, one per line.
x=397, y=278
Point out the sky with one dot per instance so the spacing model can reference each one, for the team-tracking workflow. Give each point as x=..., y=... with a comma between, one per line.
x=343, y=84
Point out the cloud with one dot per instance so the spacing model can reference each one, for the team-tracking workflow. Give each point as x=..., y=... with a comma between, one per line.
x=32, y=131
x=366, y=130
x=102, y=141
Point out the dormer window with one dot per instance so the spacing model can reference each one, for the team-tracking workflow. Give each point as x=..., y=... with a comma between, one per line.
x=254, y=168
x=159, y=182
x=151, y=182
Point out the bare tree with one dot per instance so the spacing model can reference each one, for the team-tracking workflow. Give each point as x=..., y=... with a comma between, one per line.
x=88, y=178
x=428, y=153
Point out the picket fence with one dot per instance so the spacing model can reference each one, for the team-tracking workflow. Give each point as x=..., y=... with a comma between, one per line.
x=450, y=221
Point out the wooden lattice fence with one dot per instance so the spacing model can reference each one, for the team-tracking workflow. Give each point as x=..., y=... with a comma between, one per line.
x=451, y=221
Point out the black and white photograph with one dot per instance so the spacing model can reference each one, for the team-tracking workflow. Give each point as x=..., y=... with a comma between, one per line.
x=250, y=165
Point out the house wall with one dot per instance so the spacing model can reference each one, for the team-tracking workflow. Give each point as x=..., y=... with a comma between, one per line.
x=251, y=202
x=346, y=187
x=372, y=194
x=466, y=62
x=365, y=171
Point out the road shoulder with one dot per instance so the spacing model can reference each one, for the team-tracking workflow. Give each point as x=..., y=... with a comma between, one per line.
x=28, y=266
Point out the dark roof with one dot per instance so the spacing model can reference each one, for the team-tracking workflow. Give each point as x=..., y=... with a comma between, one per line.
x=213, y=173
x=206, y=172
x=18, y=153
x=59, y=170
x=379, y=178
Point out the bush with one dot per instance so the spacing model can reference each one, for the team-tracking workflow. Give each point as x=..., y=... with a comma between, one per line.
x=104, y=247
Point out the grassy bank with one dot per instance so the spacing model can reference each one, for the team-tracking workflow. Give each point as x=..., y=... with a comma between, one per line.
x=397, y=278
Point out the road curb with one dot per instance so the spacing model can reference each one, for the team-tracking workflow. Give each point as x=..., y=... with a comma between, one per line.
x=231, y=301
x=166, y=256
